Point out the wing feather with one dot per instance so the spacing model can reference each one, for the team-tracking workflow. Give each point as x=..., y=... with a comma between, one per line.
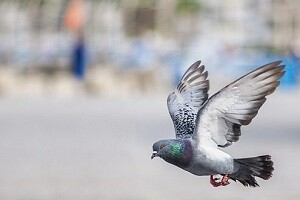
x=219, y=121
x=186, y=100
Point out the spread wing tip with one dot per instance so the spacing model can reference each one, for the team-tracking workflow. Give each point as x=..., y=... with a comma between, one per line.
x=238, y=103
x=185, y=101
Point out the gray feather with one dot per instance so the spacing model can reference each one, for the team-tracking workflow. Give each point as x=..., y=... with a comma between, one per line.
x=236, y=105
x=186, y=100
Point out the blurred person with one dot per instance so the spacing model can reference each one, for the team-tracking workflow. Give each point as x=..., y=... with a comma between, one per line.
x=75, y=20
x=79, y=58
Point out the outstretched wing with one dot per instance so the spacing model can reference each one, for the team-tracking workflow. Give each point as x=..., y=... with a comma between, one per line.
x=220, y=119
x=186, y=100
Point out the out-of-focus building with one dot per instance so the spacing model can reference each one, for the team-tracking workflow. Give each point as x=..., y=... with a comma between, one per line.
x=139, y=35
x=34, y=27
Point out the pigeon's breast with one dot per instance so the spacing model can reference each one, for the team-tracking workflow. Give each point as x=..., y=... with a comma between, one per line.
x=211, y=163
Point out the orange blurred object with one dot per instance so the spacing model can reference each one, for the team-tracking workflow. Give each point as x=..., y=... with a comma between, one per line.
x=75, y=16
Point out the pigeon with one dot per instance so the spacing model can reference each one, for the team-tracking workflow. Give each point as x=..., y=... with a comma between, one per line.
x=205, y=125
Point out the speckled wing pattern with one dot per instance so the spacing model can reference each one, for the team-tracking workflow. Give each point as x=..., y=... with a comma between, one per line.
x=186, y=100
x=220, y=119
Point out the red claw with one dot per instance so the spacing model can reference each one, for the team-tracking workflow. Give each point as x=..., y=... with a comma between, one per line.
x=214, y=181
x=224, y=181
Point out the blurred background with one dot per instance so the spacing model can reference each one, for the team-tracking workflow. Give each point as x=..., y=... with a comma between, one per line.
x=83, y=88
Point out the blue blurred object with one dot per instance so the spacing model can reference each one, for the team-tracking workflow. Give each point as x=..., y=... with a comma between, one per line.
x=174, y=62
x=141, y=54
x=79, y=59
x=289, y=80
x=292, y=64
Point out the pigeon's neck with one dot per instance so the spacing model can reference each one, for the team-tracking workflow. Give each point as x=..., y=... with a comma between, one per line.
x=181, y=153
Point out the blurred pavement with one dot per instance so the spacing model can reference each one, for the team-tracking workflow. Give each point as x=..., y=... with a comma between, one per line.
x=100, y=149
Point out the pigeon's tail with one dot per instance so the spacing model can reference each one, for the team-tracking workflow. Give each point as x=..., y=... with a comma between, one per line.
x=248, y=168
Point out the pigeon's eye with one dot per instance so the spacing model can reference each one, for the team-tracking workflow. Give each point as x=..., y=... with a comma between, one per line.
x=161, y=146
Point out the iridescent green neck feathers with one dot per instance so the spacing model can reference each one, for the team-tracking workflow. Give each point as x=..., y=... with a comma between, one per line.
x=177, y=152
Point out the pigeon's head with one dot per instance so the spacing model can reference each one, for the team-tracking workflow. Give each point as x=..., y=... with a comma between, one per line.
x=173, y=151
x=161, y=148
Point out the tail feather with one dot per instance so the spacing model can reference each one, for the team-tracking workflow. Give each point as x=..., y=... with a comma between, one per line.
x=248, y=168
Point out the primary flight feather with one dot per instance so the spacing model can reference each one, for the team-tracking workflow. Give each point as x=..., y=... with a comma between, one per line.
x=203, y=125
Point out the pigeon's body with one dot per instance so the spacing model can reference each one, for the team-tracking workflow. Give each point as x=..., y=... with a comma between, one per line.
x=203, y=161
x=203, y=125
x=209, y=161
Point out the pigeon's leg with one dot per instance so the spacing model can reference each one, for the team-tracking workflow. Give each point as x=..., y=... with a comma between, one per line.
x=225, y=180
x=214, y=181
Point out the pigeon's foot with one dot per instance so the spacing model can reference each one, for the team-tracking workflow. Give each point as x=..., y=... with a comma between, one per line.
x=225, y=180
x=216, y=183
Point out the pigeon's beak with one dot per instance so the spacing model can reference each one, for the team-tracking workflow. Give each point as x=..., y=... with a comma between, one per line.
x=154, y=154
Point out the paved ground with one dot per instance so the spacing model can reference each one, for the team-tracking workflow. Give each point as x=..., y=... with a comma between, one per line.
x=100, y=149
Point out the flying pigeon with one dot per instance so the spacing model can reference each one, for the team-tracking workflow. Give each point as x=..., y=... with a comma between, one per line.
x=204, y=125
